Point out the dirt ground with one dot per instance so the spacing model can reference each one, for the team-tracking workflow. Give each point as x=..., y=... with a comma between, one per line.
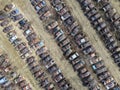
x=94, y=38
x=30, y=14
x=116, y=5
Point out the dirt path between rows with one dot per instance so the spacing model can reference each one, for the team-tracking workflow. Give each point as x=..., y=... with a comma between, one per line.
x=116, y=5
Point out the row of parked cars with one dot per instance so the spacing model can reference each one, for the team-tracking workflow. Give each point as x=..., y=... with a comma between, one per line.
x=42, y=10
x=12, y=35
x=15, y=41
x=53, y=69
x=38, y=73
x=4, y=63
x=29, y=33
x=5, y=67
x=110, y=13
x=22, y=83
x=8, y=83
x=47, y=61
x=113, y=18
x=14, y=14
x=80, y=39
x=25, y=53
x=73, y=57
x=5, y=83
x=101, y=27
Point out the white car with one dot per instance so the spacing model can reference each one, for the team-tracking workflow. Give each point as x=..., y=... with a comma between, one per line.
x=74, y=56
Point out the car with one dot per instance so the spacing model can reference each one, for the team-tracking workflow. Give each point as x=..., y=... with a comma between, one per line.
x=17, y=17
x=14, y=12
x=4, y=22
x=58, y=77
x=73, y=56
x=8, y=29
x=88, y=50
x=65, y=16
